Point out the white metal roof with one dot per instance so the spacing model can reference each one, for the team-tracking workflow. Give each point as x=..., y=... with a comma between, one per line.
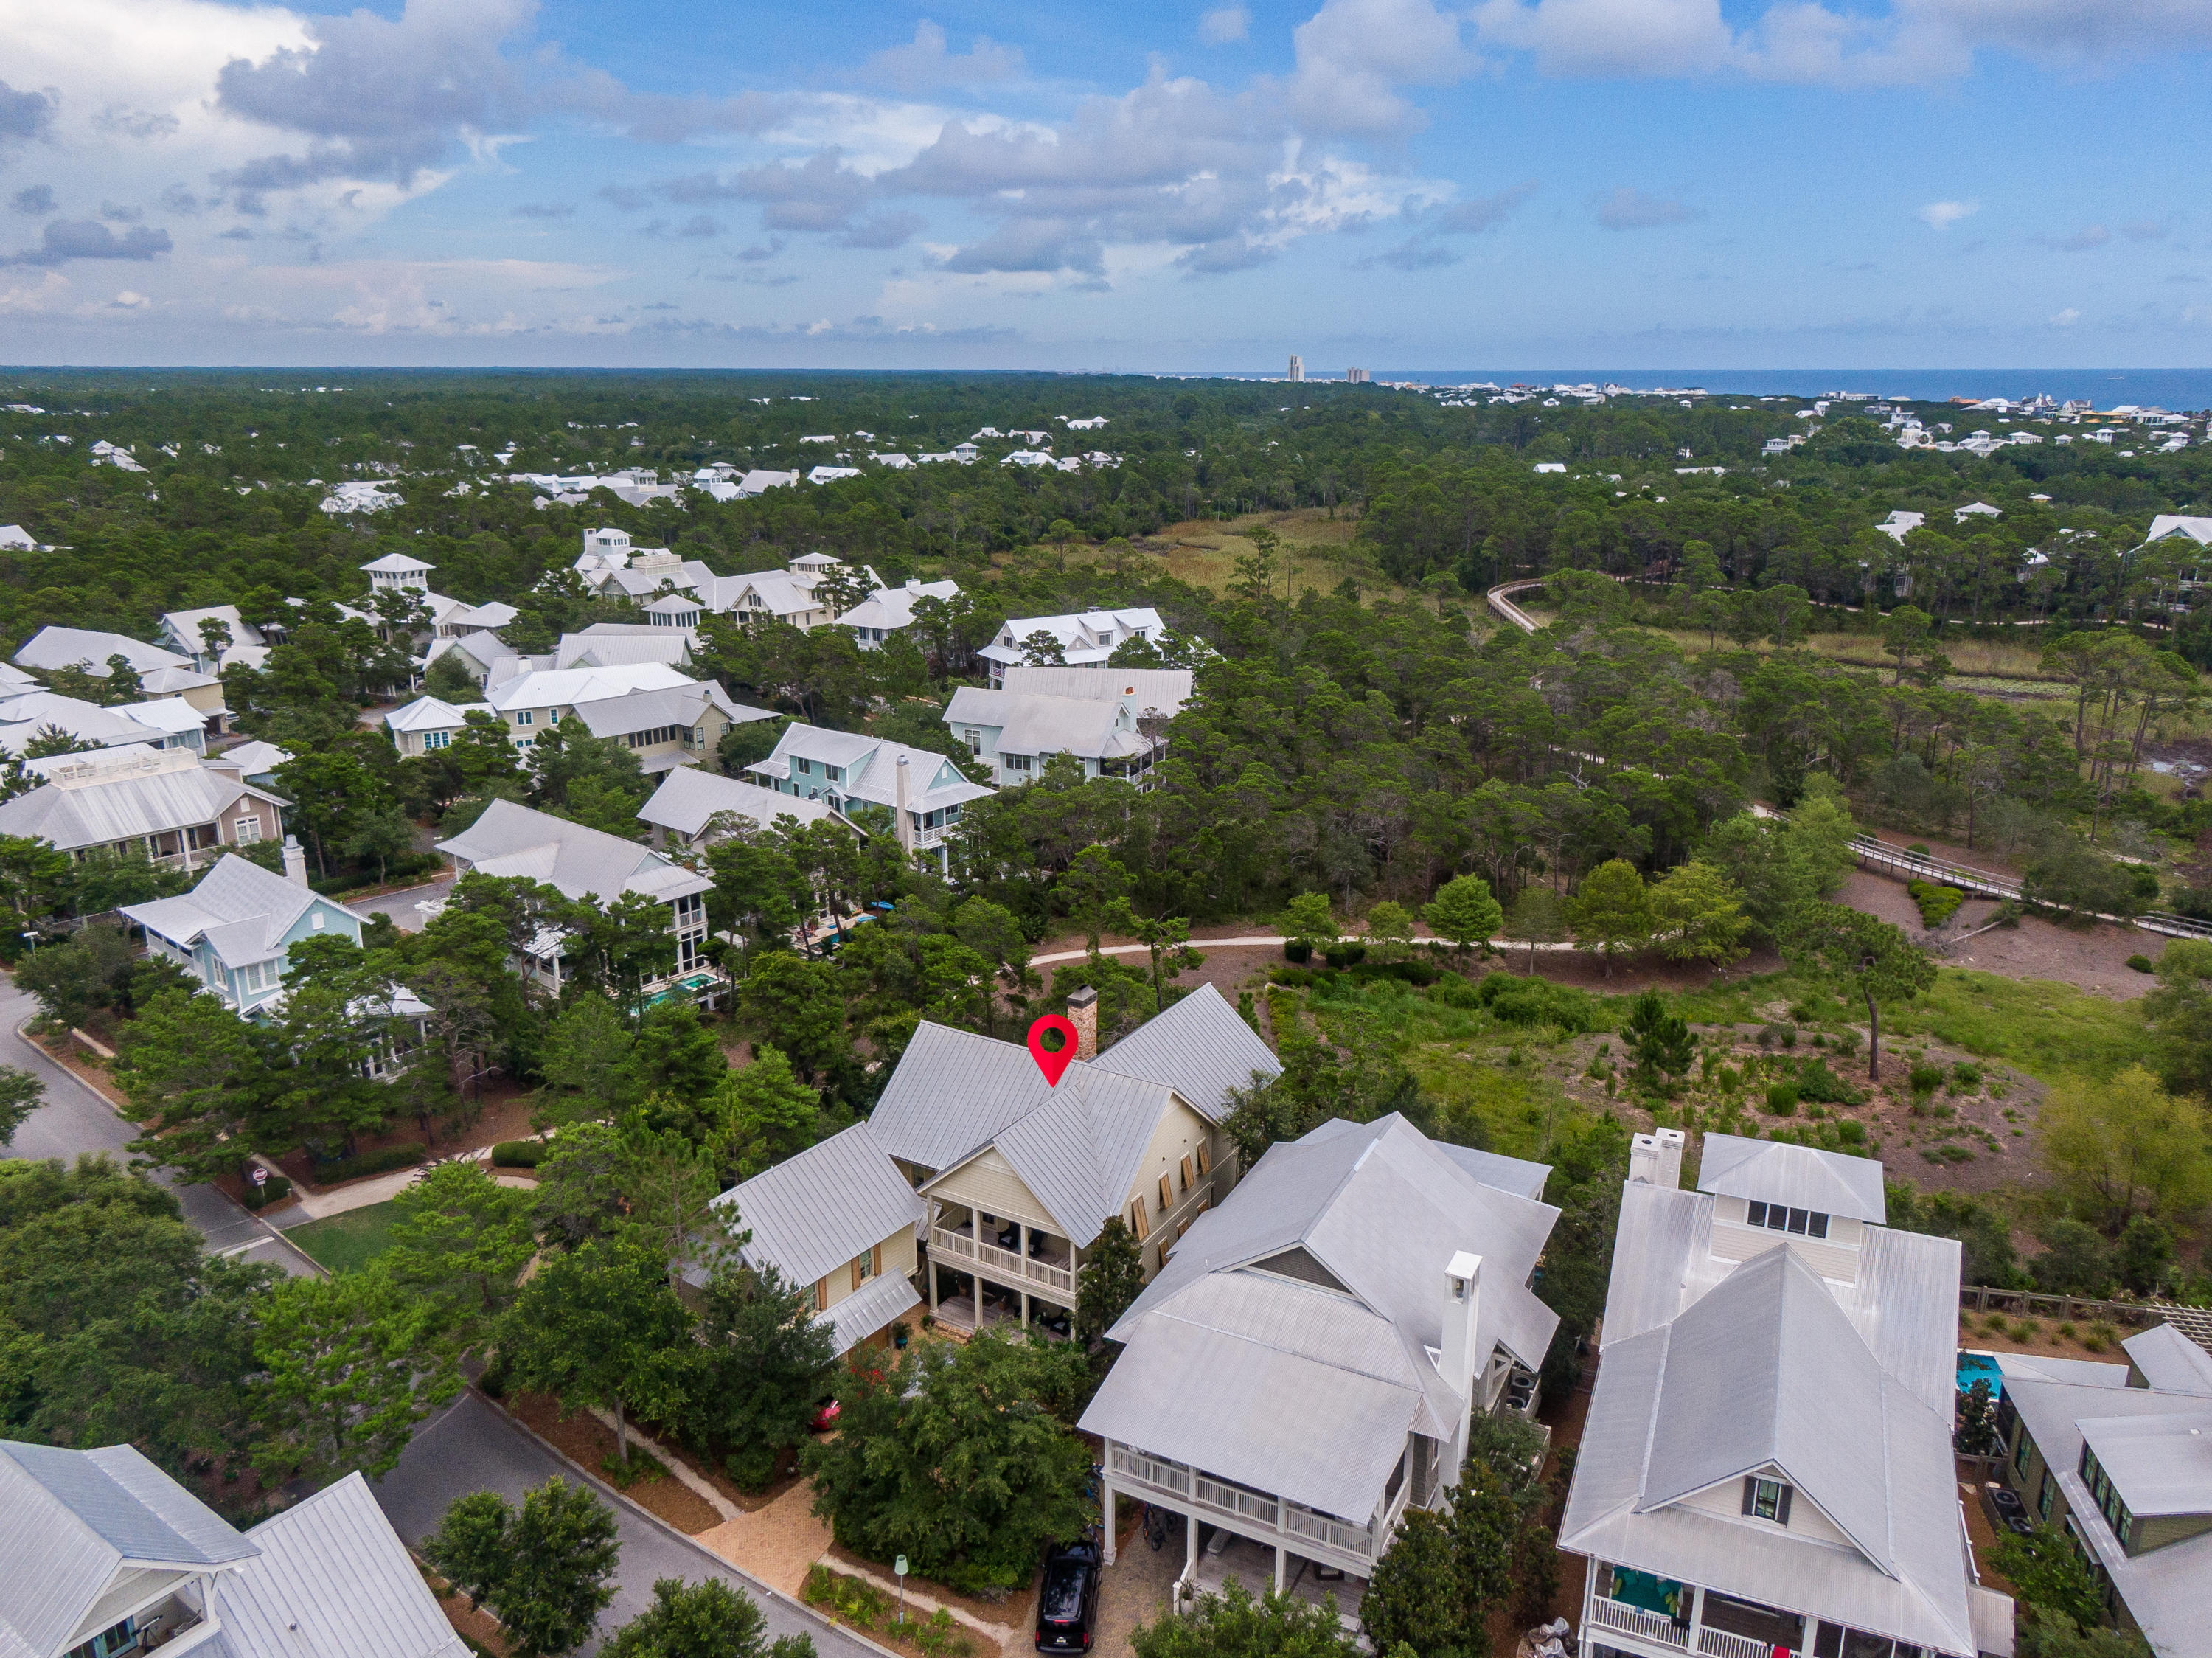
x=2163, y=1588
x=333, y=1579
x=867, y=1310
x=513, y=839
x=689, y=799
x=2170, y=1361
x=824, y=1207
x=870, y=769
x=1030, y=723
x=103, y=810
x=1801, y=1177
x=1309, y=1390
x=1200, y=1047
x=1148, y=690
x=66, y=647
x=429, y=714
x=565, y=687
x=241, y=909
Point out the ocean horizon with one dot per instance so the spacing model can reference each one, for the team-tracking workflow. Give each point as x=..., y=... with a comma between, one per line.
x=2167, y=388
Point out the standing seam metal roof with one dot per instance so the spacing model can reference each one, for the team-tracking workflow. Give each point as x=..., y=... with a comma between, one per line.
x=824, y=1207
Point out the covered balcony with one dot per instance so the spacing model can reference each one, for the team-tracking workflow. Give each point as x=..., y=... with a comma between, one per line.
x=1293, y=1530
x=1010, y=1251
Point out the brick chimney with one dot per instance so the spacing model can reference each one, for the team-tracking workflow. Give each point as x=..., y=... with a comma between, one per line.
x=296, y=862
x=1083, y=1013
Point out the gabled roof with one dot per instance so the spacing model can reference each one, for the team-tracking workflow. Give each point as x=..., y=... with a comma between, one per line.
x=249, y=760
x=1147, y=690
x=870, y=765
x=1084, y=635
x=1200, y=1048
x=618, y=644
x=64, y=647
x=1802, y=1176
x=69, y=1519
x=650, y=709
x=512, y=840
x=430, y=714
x=567, y=686
x=2170, y=1361
x=690, y=797
x=822, y=1208
x=891, y=608
x=951, y=1092
x=1287, y=1343
x=1767, y=1372
x=242, y=909
x=103, y=808
x=333, y=1579
x=185, y=625
x=2169, y=523
x=1030, y=723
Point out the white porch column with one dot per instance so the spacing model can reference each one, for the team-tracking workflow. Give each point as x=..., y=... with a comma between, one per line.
x=1190, y=1551
x=1281, y=1559
x=1025, y=1309
x=1106, y=1498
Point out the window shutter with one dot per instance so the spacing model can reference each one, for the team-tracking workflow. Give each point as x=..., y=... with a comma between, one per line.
x=1137, y=1213
x=1782, y=1511
x=821, y=1294
x=855, y=1270
x=1186, y=1174
x=1167, y=1197
x=876, y=1259
x=1750, y=1492
x=1205, y=1159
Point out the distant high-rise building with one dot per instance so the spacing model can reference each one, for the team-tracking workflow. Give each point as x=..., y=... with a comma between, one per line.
x=1356, y=376
x=1298, y=367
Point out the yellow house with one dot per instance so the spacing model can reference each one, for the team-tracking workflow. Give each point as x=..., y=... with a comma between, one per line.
x=840, y=1220
x=1020, y=1177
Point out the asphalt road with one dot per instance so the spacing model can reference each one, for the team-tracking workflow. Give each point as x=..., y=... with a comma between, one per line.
x=400, y=906
x=472, y=1447
x=74, y=1120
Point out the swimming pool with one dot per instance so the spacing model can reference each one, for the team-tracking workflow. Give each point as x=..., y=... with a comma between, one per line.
x=1980, y=1366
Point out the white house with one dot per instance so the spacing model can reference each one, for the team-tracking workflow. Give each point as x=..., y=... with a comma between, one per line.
x=531, y=701
x=841, y=1219
x=1975, y=509
x=1114, y=728
x=107, y=1555
x=181, y=631
x=924, y=791
x=888, y=610
x=1766, y=1465
x=234, y=931
x=1085, y=639
x=1900, y=524
x=1305, y=1367
x=427, y=724
x=587, y=864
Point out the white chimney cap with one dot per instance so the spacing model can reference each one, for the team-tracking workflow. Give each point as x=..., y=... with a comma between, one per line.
x=1463, y=1265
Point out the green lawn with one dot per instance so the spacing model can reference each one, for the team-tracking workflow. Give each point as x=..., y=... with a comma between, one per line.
x=343, y=1242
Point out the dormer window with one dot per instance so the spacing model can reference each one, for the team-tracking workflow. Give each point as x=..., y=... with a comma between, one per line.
x=1766, y=1499
x=1778, y=1217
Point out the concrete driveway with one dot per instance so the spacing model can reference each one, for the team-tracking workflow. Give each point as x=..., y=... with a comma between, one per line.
x=400, y=906
x=475, y=1447
x=75, y=1121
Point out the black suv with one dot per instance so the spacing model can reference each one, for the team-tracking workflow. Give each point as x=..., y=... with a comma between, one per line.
x=1067, y=1600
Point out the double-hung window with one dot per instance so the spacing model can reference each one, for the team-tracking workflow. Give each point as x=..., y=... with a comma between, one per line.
x=1780, y=1217
x=1766, y=1499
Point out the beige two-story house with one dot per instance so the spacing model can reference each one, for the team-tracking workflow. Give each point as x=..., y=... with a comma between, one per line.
x=1021, y=1176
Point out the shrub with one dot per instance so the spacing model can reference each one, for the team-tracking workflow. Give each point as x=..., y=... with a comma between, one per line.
x=1925, y=1078
x=1851, y=1132
x=1816, y=1081
x=1938, y=904
x=1777, y=1036
x=260, y=1197
x=367, y=1162
x=1454, y=992
x=1782, y=1099
x=1297, y=952
x=1966, y=1075
x=1296, y=977
x=1345, y=955
x=752, y=1467
x=1847, y=1041
x=1537, y=1001
x=517, y=1153
x=2142, y=963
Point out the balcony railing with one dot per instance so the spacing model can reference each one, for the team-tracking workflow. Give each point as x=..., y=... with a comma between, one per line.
x=1254, y=1511
x=1719, y=1644
x=1633, y=1620
x=1006, y=1262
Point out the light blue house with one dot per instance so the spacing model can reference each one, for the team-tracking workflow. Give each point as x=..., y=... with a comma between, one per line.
x=233, y=932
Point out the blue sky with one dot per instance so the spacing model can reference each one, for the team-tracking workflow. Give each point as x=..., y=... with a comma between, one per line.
x=1634, y=184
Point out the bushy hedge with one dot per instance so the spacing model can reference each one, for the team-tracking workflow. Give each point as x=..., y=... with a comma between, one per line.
x=1938, y=904
x=367, y=1162
x=260, y=1197
x=1516, y=1001
x=517, y=1153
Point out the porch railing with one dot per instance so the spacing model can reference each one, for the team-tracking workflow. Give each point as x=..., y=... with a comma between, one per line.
x=1252, y=1511
x=1633, y=1620
x=1009, y=1263
x=1719, y=1644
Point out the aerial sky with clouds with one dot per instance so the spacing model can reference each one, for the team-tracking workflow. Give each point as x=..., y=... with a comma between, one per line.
x=1631, y=184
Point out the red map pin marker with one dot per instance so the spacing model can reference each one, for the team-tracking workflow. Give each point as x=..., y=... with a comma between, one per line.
x=1052, y=1062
